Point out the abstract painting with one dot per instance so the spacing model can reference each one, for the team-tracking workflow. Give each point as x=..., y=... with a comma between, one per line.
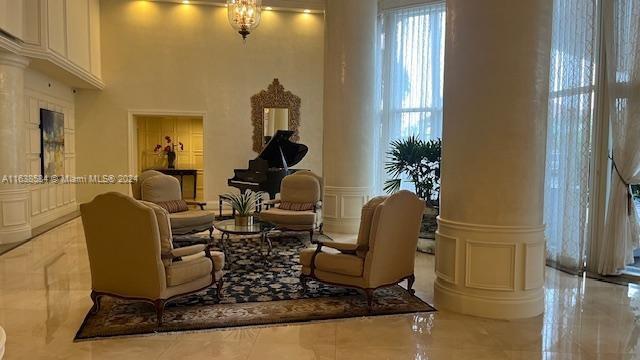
x=52, y=145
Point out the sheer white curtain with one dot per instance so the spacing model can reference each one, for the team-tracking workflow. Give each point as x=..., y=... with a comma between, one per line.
x=622, y=35
x=412, y=68
x=570, y=119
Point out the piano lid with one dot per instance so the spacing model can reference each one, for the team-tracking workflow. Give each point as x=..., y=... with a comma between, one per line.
x=280, y=146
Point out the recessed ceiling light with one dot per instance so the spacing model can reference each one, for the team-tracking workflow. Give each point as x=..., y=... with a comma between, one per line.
x=307, y=11
x=185, y=1
x=268, y=8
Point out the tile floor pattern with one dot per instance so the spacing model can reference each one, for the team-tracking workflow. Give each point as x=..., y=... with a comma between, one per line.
x=44, y=288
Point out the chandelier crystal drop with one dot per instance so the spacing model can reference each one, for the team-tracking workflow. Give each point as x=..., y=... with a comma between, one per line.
x=244, y=15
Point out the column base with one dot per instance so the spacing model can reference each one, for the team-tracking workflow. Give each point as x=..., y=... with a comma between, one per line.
x=15, y=219
x=490, y=271
x=489, y=307
x=341, y=208
x=14, y=236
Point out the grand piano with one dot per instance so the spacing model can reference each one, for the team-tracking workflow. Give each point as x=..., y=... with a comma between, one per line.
x=265, y=173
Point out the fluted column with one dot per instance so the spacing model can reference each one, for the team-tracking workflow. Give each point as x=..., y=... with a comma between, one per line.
x=15, y=221
x=349, y=92
x=490, y=243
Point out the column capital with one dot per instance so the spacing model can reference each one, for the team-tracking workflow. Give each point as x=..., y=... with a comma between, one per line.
x=11, y=59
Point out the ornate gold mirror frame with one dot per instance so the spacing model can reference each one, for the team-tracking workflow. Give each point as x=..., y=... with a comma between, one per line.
x=274, y=97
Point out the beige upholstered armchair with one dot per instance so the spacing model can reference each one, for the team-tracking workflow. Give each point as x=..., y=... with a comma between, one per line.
x=132, y=256
x=384, y=253
x=297, y=207
x=319, y=203
x=164, y=190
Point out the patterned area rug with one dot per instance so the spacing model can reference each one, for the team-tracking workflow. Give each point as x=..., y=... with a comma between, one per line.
x=257, y=291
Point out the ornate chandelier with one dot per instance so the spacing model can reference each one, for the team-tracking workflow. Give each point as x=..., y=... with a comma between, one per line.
x=244, y=15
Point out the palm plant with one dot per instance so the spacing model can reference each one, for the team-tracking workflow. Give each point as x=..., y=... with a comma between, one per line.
x=418, y=161
x=244, y=203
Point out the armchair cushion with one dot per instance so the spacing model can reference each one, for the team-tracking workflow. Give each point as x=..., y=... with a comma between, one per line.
x=181, y=272
x=174, y=206
x=285, y=205
x=332, y=261
x=289, y=217
x=188, y=250
x=190, y=220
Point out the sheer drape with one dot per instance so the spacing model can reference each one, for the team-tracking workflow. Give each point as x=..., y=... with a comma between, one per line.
x=622, y=35
x=412, y=69
x=570, y=119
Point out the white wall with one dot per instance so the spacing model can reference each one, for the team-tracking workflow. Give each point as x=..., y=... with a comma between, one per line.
x=174, y=57
x=49, y=201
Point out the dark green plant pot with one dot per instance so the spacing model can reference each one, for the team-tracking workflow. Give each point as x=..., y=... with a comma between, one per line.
x=427, y=237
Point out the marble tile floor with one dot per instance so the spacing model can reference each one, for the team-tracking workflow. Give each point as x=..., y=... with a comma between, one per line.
x=44, y=295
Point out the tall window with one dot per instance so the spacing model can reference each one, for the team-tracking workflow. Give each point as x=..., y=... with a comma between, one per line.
x=412, y=62
x=622, y=229
x=570, y=120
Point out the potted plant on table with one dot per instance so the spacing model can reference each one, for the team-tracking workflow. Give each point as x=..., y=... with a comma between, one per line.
x=243, y=205
x=418, y=161
x=169, y=150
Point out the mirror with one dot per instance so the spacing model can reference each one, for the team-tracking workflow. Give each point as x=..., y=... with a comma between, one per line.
x=274, y=119
x=272, y=110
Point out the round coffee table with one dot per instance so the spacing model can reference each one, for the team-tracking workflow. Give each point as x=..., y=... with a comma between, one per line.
x=229, y=227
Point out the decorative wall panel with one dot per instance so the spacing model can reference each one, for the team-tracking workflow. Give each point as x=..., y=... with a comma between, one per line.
x=49, y=201
x=490, y=266
x=534, y=273
x=446, y=257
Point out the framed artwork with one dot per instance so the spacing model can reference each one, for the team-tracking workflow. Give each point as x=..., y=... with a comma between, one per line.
x=51, y=142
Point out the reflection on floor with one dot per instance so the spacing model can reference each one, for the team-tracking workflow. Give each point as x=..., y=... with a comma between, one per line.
x=40, y=230
x=44, y=288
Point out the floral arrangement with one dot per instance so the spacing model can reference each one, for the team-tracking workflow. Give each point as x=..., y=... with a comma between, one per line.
x=169, y=147
x=244, y=203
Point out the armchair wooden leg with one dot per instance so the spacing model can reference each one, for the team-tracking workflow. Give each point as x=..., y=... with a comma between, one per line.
x=159, y=305
x=219, y=285
x=311, y=236
x=369, y=294
x=95, y=297
x=410, y=280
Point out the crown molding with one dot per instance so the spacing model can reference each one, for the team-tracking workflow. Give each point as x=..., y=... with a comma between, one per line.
x=52, y=64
